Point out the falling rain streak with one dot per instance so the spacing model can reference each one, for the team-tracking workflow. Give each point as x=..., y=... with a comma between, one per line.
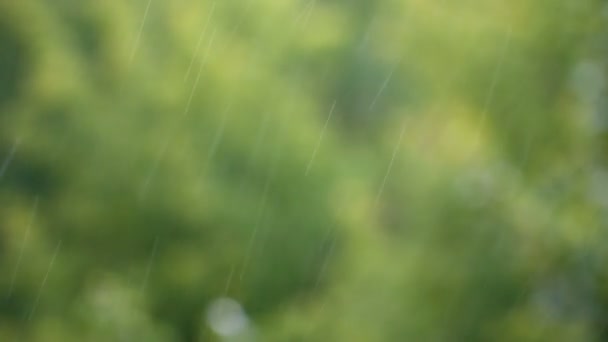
x=256, y=228
x=139, y=33
x=383, y=87
x=314, y=153
x=9, y=158
x=453, y=300
x=273, y=168
x=492, y=88
x=200, y=41
x=217, y=138
x=198, y=74
x=305, y=14
x=144, y=283
x=44, y=280
x=23, y=244
x=390, y=164
x=254, y=152
x=144, y=189
x=278, y=154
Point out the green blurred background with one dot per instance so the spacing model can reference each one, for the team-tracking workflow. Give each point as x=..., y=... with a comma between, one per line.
x=313, y=170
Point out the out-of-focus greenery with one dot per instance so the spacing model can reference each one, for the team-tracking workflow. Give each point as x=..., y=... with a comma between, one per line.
x=395, y=170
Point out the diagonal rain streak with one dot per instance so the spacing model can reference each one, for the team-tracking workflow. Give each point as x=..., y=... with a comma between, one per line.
x=305, y=14
x=9, y=158
x=452, y=301
x=44, y=280
x=262, y=207
x=144, y=283
x=256, y=147
x=218, y=134
x=139, y=33
x=383, y=87
x=226, y=113
x=200, y=41
x=296, y=25
x=198, y=75
x=491, y=90
x=22, y=249
x=314, y=153
x=390, y=164
x=173, y=132
x=258, y=222
x=215, y=143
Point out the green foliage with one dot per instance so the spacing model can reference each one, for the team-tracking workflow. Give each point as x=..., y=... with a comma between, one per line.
x=348, y=171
